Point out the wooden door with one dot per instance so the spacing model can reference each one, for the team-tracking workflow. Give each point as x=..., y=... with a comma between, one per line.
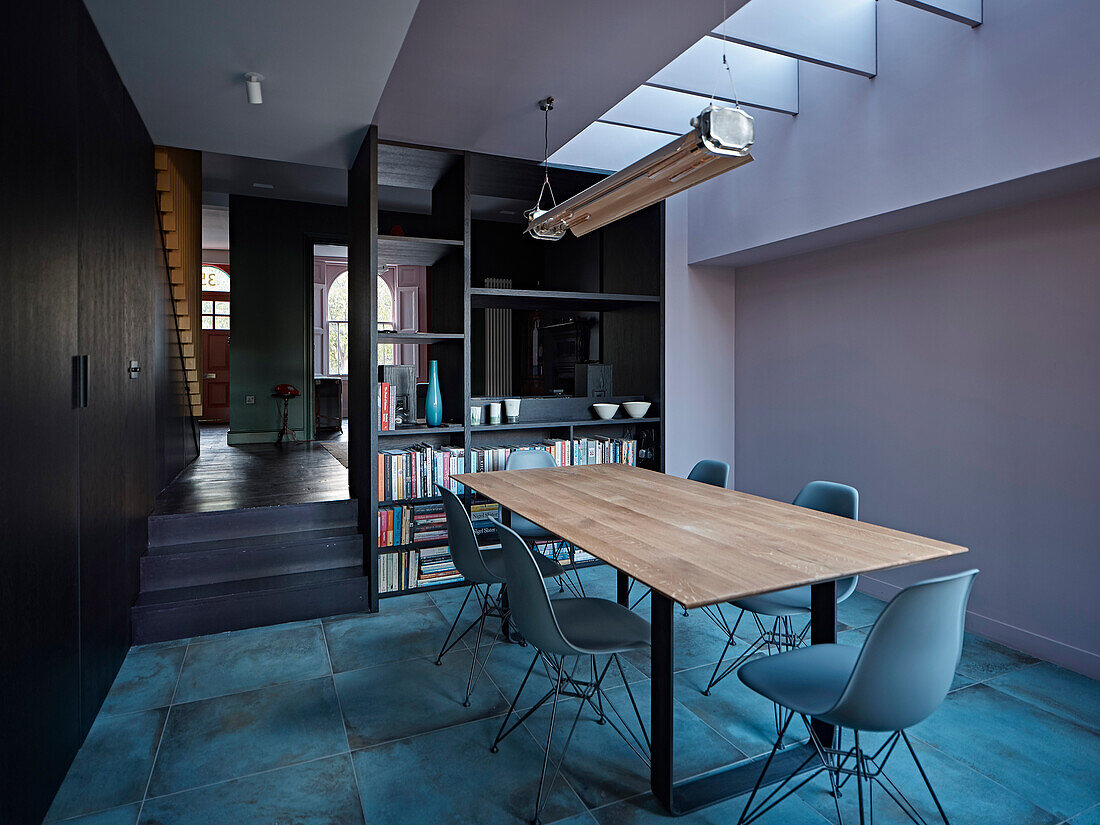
x=215, y=379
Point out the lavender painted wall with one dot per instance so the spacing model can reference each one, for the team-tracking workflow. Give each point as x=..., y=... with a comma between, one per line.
x=952, y=374
x=952, y=110
x=699, y=310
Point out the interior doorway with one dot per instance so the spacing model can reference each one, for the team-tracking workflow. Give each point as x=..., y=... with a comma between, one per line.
x=216, y=323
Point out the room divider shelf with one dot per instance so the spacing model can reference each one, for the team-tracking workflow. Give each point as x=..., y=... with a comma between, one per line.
x=607, y=286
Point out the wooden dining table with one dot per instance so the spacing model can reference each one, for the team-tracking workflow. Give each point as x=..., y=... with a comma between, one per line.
x=696, y=545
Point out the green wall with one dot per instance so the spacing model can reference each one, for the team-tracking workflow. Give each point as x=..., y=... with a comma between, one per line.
x=270, y=255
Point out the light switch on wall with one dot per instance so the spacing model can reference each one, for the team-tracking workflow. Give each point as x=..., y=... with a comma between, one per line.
x=250, y=399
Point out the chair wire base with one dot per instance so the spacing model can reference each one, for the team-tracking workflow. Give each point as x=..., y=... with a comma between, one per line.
x=841, y=765
x=589, y=691
x=491, y=607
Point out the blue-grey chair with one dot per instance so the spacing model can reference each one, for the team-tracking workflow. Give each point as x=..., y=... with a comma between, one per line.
x=710, y=471
x=532, y=533
x=897, y=679
x=481, y=567
x=565, y=632
x=783, y=606
x=706, y=471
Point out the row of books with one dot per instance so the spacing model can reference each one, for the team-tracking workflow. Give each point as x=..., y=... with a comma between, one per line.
x=420, y=523
x=387, y=407
x=398, y=571
x=413, y=472
x=433, y=565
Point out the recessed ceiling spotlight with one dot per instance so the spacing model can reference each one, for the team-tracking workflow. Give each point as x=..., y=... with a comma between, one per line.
x=252, y=82
x=507, y=211
x=263, y=185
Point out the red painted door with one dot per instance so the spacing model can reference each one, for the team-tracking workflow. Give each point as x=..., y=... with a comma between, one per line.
x=215, y=379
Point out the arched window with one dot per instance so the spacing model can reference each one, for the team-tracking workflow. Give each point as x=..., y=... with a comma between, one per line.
x=215, y=312
x=338, y=325
x=214, y=279
x=386, y=354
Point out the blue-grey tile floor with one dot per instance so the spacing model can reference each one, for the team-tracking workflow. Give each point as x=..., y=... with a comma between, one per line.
x=347, y=721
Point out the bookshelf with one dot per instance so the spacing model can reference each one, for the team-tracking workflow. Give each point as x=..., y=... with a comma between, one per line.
x=604, y=290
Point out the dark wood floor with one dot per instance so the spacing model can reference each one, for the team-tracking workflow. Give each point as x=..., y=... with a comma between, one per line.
x=257, y=475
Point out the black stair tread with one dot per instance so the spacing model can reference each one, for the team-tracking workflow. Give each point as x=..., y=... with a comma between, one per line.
x=350, y=504
x=282, y=539
x=290, y=581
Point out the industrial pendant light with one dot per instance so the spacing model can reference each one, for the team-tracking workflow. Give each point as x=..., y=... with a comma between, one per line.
x=536, y=229
x=720, y=141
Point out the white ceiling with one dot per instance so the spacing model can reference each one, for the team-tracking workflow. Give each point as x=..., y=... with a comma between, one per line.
x=326, y=63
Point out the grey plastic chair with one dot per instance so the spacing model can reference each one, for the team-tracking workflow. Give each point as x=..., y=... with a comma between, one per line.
x=710, y=471
x=482, y=567
x=563, y=633
x=706, y=471
x=532, y=533
x=896, y=680
x=783, y=606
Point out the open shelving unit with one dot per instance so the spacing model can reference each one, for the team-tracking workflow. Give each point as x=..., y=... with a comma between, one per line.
x=610, y=281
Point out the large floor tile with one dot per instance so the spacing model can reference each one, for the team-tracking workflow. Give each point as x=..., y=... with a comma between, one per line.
x=366, y=640
x=125, y=815
x=508, y=664
x=859, y=610
x=402, y=699
x=696, y=641
x=250, y=659
x=968, y=797
x=1068, y=694
x=600, y=765
x=322, y=792
x=646, y=810
x=1040, y=756
x=1089, y=817
x=146, y=680
x=742, y=716
x=112, y=766
x=448, y=777
x=983, y=659
x=213, y=740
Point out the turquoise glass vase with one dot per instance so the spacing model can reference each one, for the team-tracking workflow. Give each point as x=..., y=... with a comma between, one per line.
x=433, y=404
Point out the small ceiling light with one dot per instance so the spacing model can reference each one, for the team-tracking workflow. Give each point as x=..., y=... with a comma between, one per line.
x=252, y=82
x=263, y=185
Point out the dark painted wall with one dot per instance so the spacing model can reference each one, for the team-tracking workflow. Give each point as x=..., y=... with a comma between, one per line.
x=952, y=374
x=271, y=339
x=77, y=272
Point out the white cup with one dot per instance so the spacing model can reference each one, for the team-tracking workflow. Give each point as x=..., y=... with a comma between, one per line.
x=475, y=415
x=511, y=409
x=494, y=412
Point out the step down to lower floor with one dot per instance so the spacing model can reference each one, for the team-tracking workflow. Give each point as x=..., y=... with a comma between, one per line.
x=182, y=612
x=210, y=562
x=221, y=525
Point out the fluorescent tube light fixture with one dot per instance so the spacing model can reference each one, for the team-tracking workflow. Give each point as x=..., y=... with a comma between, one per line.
x=719, y=142
x=252, y=82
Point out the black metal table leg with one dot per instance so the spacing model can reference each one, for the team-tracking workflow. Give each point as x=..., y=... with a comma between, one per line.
x=622, y=588
x=739, y=778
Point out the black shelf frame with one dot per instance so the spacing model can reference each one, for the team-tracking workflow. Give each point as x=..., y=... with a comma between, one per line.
x=443, y=242
x=484, y=298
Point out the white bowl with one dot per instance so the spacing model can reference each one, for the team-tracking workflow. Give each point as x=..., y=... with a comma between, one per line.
x=636, y=409
x=605, y=411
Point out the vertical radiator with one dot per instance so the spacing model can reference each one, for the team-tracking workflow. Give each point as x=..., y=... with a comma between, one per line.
x=498, y=344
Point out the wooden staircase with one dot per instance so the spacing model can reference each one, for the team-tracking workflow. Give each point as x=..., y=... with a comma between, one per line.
x=181, y=282
x=232, y=569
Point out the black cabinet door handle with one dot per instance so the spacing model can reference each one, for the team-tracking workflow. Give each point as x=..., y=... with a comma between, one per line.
x=80, y=381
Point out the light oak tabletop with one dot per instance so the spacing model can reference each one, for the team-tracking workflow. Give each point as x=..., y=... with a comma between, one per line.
x=696, y=543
